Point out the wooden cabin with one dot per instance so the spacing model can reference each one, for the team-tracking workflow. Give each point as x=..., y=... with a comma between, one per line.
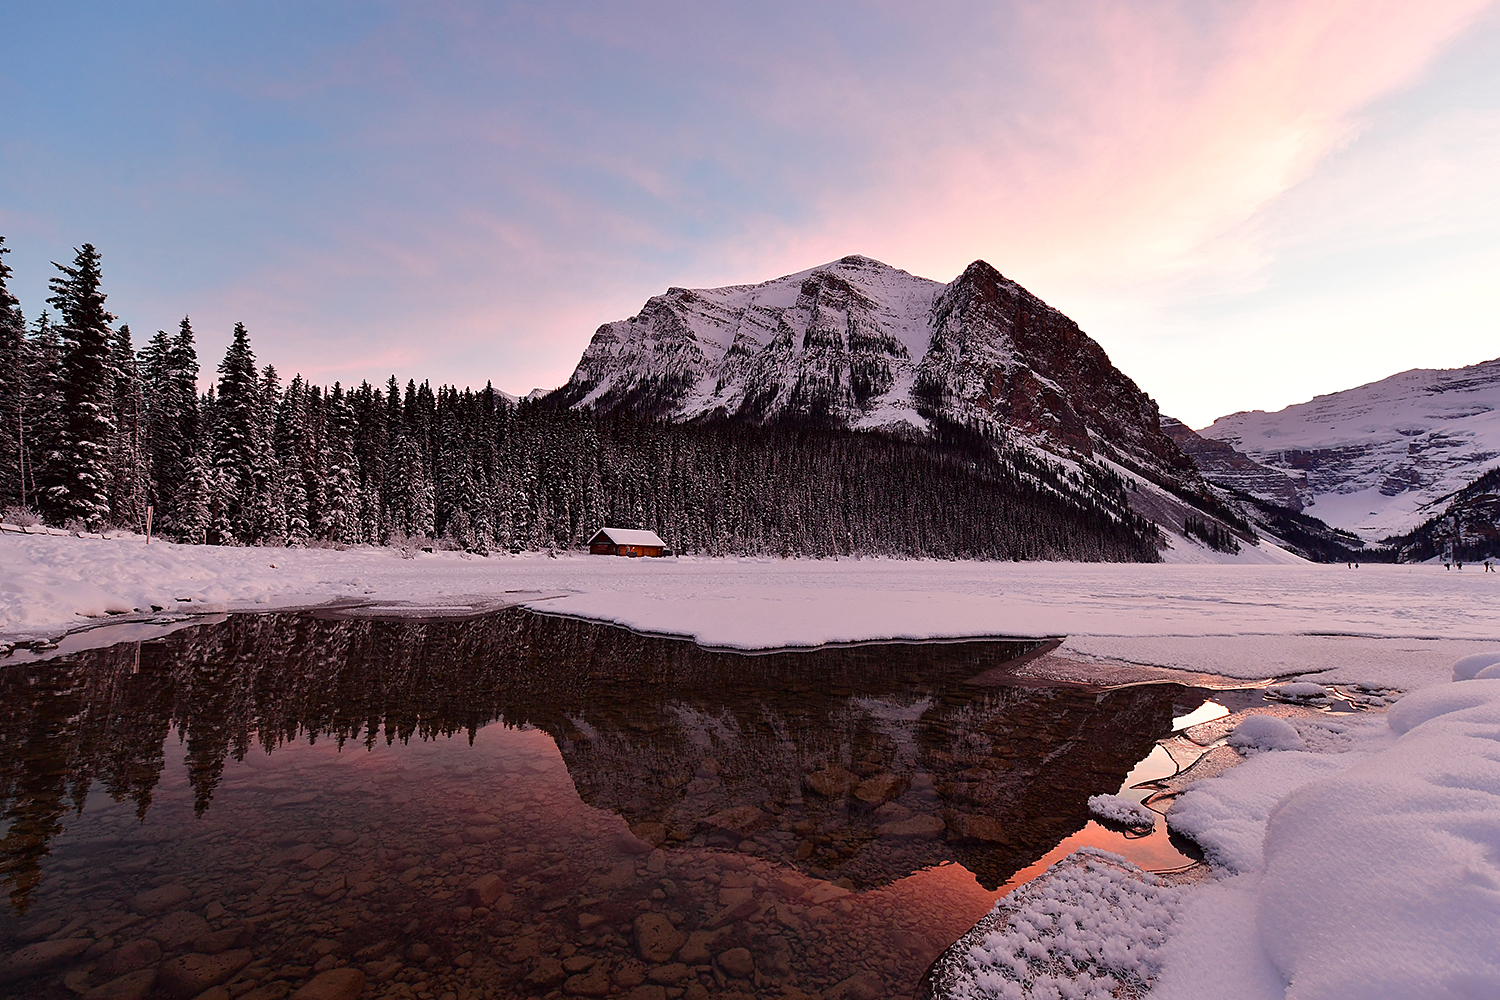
x=627, y=542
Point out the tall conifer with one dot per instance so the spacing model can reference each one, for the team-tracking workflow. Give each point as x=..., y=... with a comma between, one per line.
x=14, y=382
x=236, y=437
x=169, y=370
x=78, y=473
x=129, y=450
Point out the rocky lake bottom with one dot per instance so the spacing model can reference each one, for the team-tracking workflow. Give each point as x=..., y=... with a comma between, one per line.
x=516, y=805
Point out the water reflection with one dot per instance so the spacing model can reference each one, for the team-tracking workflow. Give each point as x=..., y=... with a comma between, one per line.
x=778, y=804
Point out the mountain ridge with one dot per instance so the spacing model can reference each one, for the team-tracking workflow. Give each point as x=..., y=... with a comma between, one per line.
x=1378, y=459
x=859, y=344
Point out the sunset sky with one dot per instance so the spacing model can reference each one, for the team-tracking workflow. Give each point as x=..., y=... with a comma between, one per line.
x=1246, y=203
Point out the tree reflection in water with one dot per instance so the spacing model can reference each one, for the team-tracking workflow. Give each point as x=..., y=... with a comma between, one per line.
x=860, y=763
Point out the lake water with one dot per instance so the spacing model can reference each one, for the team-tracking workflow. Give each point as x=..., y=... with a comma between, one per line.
x=519, y=805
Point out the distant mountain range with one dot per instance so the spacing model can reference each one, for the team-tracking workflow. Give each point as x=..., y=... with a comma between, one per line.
x=1379, y=459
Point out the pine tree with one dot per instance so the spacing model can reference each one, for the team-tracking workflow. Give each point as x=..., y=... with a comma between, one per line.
x=169, y=369
x=78, y=474
x=341, y=510
x=269, y=517
x=293, y=449
x=14, y=383
x=129, y=457
x=42, y=407
x=236, y=440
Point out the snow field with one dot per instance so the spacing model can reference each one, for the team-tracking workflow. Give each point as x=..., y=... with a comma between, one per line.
x=1396, y=626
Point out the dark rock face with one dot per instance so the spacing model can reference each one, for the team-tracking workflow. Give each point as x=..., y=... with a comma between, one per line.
x=999, y=352
x=859, y=344
x=1223, y=466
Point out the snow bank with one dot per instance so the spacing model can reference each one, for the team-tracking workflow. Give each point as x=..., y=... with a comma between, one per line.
x=1469, y=667
x=1227, y=815
x=1265, y=732
x=1119, y=809
x=1383, y=880
x=1373, y=873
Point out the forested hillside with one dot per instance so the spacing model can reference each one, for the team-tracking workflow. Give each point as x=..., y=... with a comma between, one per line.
x=96, y=431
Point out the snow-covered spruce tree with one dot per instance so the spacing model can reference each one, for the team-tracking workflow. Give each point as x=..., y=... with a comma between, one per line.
x=14, y=383
x=129, y=451
x=169, y=369
x=371, y=448
x=294, y=451
x=265, y=513
x=410, y=493
x=236, y=441
x=341, y=507
x=78, y=479
x=42, y=407
x=192, y=511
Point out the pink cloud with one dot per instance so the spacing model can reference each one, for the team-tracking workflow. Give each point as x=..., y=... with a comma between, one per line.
x=1153, y=137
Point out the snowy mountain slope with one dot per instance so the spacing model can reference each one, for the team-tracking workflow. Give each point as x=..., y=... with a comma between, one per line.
x=859, y=344
x=1376, y=459
x=836, y=342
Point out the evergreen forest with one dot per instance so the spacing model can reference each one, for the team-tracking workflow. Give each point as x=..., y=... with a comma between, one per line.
x=96, y=430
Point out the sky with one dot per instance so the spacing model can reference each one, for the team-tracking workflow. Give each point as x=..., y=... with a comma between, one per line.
x=1246, y=203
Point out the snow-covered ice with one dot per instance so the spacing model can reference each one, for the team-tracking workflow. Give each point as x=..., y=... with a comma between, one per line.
x=1096, y=925
x=1119, y=809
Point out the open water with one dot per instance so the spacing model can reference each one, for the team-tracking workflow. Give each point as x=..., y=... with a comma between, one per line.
x=518, y=805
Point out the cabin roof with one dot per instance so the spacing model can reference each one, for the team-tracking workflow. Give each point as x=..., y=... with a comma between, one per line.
x=627, y=536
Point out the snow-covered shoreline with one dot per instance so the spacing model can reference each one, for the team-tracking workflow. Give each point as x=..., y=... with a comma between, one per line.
x=1357, y=859
x=50, y=583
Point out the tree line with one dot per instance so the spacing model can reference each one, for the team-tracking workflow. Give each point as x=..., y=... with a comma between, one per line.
x=96, y=431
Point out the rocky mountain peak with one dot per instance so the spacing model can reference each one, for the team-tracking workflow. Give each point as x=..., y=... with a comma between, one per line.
x=858, y=343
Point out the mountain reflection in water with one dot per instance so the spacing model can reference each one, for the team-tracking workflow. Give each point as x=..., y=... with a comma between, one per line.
x=848, y=768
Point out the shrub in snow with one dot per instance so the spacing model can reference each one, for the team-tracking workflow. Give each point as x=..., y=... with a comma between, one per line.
x=22, y=517
x=1298, y=691
x=1092, y=927
x=1469, y=667
x=1265, y=732
x=1119, y=809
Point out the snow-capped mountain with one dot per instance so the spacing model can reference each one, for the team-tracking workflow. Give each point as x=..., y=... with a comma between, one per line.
x=859, y=344
x=1379, y=459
